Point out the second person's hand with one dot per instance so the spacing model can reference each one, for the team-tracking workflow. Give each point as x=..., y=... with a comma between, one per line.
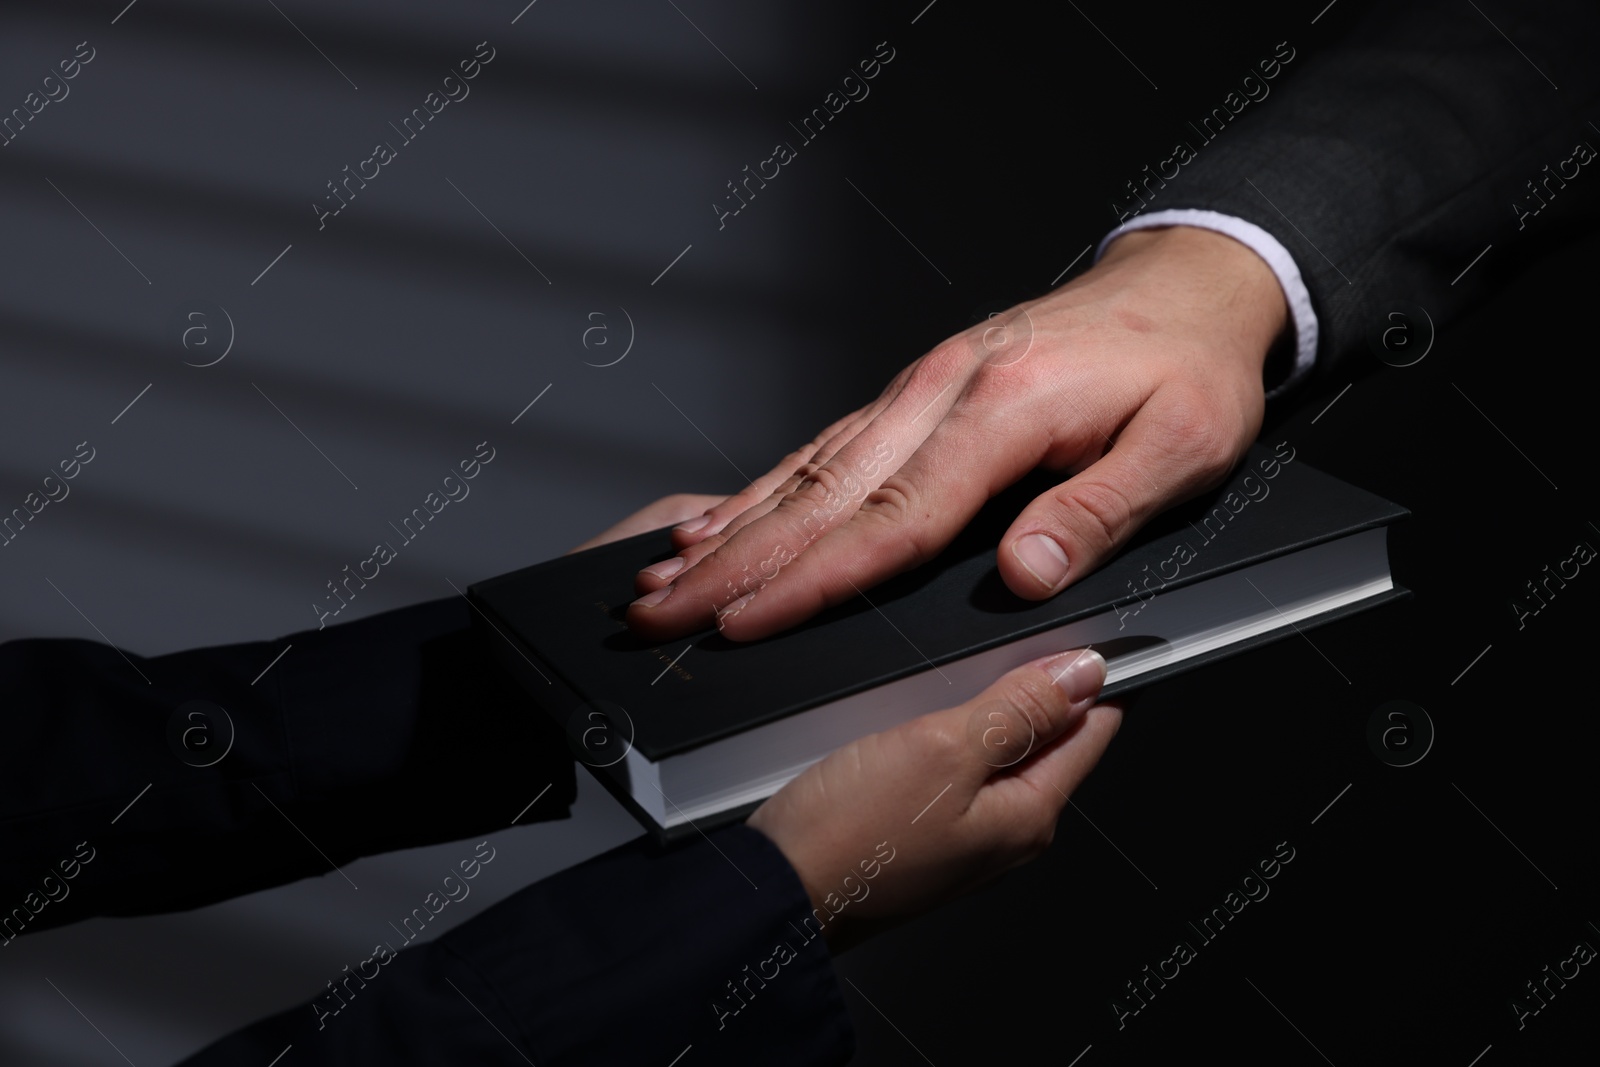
x=901, y=821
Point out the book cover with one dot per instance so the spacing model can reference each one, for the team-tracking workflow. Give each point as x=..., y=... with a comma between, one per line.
x=558, y=625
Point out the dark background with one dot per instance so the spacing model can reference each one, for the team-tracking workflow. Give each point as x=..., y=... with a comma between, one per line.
x=409, y=330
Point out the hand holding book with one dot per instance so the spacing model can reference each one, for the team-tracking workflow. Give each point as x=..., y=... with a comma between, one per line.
x=900, y=821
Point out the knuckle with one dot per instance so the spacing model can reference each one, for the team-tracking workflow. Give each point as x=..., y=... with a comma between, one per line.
x=1036, y=823
x=935, y=737
x=1025, y=835
x=896, y=384
x=994, y=409
x=893, y=502
x=777, y=476
x=799, y=459
x=1036, y=833
x=826, y=495
x=1097, y=511
x=998, y=735
x=899, y=507
x=947, y=363
x=1197, y=430
x=819, y=487
x=992, y=388
x=699, y=551
x=1002, y=347
x=1037, y=701
x=949, y=359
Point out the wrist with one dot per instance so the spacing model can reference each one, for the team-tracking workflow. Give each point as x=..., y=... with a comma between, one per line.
x=1236, y=283
x=833, y=924
x=760, y=822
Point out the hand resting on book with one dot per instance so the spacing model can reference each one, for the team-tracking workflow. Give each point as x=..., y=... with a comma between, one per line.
x=1141, y=380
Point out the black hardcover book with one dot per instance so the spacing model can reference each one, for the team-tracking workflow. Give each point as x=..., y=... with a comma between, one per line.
x=696, y=732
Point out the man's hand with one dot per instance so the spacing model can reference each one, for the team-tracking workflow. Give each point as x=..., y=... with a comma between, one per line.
x=900, y=821
x=1140, y=380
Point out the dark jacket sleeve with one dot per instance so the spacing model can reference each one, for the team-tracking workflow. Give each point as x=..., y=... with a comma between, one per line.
x=197, y=776
x=1391, y=159
x=694, y=956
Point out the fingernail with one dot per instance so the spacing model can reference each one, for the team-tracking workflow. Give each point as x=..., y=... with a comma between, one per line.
x=650, y=600
x=1042, y=558
x=693, y=525
x=1079, y=674
x=666, y=568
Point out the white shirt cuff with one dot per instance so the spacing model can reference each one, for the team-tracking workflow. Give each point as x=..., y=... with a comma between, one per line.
x=1262, y=244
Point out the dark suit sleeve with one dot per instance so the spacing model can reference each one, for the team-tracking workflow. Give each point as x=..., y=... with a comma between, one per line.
x=1387, y=161
x=637, y=956
x=388, y=732
x=391, y=731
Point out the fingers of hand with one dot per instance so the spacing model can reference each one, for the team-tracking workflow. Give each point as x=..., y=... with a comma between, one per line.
x=979, y=747
x=710, y=538
x=653, y=516
x=905, y=521
x=926, y=785
x=1029, y=708
x=751, y=558
x=725, y=583
x=679, y=506
x=910, y=518
x=777, y=482
x=661, y=574
x=839, y=534
x=1070, y=758
x=1171, y=449
x=1028, y=803
x=709, y=523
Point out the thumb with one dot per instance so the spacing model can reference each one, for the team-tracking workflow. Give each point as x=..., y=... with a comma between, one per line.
x=1027, y=709
x=1162, y=457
